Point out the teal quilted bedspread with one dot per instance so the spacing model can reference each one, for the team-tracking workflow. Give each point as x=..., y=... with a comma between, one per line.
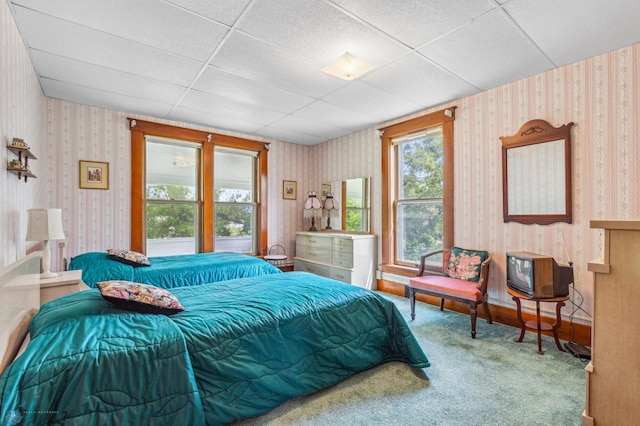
x=237, y=351
x=172, y=271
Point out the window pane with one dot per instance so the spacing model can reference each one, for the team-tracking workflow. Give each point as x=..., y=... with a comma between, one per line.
x=172, y=228
x=171, y=171
x=233, y=176
x=234, y=227
x=420, y=227
x=420, y=163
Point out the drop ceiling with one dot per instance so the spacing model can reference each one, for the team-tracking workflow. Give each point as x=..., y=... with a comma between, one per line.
x=254, y=66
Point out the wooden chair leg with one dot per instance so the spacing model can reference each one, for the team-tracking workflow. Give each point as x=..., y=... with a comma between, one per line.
x=441, y=304
x=412, y=299
x=487, y=313
x=474, y=314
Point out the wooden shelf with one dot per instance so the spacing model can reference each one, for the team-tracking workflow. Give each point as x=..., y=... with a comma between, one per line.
x=21, y=152
x=22, y=173
x=24, y=155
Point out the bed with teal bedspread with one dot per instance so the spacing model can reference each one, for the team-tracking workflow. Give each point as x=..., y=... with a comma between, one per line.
x=236, y=351
x=171, y=271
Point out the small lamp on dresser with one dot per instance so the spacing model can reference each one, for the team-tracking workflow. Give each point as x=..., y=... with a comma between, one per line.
x=330, y=209
x=313, y=209
x=45, y=225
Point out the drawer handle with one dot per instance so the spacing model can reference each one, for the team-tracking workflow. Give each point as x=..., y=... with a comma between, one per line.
x=340, y=276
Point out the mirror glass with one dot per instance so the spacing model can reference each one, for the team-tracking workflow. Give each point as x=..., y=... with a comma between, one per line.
x=353, y=196
x=537, y=174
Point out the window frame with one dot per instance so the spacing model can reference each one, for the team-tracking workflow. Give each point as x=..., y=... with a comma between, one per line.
x=445, y=119
x=208, y=141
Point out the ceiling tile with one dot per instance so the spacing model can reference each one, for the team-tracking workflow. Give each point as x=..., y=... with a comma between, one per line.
x=366, y=99
x=336, y=116
x=218, y=121
x=77, y=42
x=149, y=22
x=571, y=30
x=224, y=11
x=262, y=62
x=318, y=31
x=291, y=137
x=416, y=22
x=418, y=80
x=79, y=73
x=216, y=105
x=87, y=96
x=488, y=52
x=308, y=127
x=244, y=90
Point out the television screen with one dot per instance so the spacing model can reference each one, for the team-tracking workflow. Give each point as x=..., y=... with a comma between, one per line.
x=520, y=274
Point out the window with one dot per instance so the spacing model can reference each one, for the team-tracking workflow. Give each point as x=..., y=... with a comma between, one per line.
x=418, y=213
x=234, y=198
x=172, y=197
x=193, y=191
x=417, y=165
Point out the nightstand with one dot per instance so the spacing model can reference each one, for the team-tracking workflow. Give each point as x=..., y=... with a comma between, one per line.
x=66, y=282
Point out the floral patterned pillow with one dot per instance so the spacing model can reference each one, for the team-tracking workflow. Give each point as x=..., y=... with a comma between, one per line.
x=129, y=257
x=465, y=264
x=140, y=297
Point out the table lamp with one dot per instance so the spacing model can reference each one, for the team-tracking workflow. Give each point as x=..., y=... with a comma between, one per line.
x=330, y=208
x=313, y=209
x=45, y=225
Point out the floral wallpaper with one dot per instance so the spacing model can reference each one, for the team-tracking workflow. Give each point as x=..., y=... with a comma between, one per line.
x=600, y=95
x=22, y=115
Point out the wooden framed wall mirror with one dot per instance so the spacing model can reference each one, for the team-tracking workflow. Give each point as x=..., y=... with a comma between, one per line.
x=536, y=174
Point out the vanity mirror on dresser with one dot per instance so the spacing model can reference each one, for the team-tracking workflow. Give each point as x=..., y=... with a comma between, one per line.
x=353, y=196
x=343, y=256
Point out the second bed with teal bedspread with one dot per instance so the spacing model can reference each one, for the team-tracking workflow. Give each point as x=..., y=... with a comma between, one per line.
x=172, y=271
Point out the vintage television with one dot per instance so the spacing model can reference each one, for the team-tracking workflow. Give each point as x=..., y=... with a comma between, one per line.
x=538, y=276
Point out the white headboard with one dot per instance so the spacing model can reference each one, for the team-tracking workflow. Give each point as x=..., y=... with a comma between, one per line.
x=19, y=300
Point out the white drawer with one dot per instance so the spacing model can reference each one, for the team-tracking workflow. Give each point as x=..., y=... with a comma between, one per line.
x=300, y=265
x=315, y=254
x=344, y=259
x=341, y=275
x=343, y=244
x=314, y=241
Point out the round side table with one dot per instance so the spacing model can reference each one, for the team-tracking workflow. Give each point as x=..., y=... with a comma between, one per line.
x=539, y=325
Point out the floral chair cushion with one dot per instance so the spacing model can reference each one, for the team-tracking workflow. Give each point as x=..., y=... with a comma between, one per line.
x=129, y=257
x=140, y=297
x=465, y=264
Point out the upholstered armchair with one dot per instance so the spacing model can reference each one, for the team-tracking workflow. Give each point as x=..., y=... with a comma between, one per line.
x=463, y=278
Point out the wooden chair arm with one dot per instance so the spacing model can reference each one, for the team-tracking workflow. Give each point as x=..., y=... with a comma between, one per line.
x=484, y=275
x=423, y=259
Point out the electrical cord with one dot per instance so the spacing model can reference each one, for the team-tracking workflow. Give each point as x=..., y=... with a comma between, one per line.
x=577, y=306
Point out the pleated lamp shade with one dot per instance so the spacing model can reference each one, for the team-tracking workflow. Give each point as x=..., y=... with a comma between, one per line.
x=45, y=225
x=312, y=209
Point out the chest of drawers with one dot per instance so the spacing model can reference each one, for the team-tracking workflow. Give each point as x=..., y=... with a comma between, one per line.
x=349, y=258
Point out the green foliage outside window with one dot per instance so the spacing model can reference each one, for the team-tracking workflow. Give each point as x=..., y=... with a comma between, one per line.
x=170, y=220
x=234, y=215
x=420, y=209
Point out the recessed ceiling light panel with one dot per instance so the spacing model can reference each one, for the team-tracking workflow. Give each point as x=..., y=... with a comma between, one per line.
x=348, y=67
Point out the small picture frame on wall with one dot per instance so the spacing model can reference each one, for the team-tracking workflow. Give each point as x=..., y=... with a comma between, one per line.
x=94, y=175
x=289, y=189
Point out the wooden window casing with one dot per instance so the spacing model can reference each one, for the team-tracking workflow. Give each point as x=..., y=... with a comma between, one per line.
x=442, y=118
x=208, y=140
